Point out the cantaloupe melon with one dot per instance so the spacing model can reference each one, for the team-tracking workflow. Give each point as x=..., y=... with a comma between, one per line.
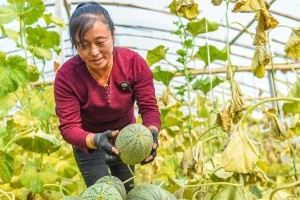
x=166, y=195
x=145, y=192
x=115, y=182
x=101, y=191
x=134, y=143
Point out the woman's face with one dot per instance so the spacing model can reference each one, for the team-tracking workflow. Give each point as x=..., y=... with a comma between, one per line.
x=96, y=49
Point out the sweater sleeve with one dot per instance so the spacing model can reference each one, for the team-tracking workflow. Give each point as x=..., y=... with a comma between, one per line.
x=144, y=93
x=68, y=112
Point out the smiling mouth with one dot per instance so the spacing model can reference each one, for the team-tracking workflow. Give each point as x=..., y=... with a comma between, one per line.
x=97, y=60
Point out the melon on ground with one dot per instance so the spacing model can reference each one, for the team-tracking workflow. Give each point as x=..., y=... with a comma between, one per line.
x=134, y=143
x=166, y=195
x=101, y=191
x=145, y=192
x=115, y=182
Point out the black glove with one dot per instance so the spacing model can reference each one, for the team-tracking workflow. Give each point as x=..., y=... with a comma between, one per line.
x=153, y=152
x=103, y=142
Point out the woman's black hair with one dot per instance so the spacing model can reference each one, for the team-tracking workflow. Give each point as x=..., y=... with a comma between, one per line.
x=84, y=17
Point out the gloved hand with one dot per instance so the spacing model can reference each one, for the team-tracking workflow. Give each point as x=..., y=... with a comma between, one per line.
x=103, y=142
x=153, y=152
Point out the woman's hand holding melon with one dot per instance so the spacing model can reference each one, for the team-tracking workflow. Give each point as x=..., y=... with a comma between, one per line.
x=109, y=153
x=152, y=155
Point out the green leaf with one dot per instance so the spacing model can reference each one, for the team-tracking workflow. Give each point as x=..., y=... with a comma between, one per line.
x=40, y=42
x=39, y=142
x=33, y=73
x=33, y=177
x=290, y=106
x=12, y=73
x=163, y=76
x=11, y=34
x=42, y=105
x=199, y=102
x=169, y=167
x=30, y=10
x=155, y=55
x=173, y=5
x=41, y=52
x=171, y=120
x=6, y=167
x=199, y=27
x=7, y=14
x=66, y=167
x=206, y=85
x=230, y=192
x=6, y=103
x=214, y=54
x=254, y=190
x=55, y=20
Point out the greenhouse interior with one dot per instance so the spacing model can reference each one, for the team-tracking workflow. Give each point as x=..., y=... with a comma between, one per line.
x=226, y=79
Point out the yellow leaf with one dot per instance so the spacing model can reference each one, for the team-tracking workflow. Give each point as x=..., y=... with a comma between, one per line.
x=260, y=35
x=187, y=9
x=265, y=22
x=279, y=130
x=237, y=104
x=249, y=5
x=260, y=59
x=240, y=155
x=292, y=47
x=216, y=2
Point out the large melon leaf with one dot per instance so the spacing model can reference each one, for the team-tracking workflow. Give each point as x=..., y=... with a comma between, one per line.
x=6, y=167
x=39, y=142
x=33, y=177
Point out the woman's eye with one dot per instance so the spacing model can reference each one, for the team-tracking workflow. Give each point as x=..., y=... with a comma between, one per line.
x=100, y=42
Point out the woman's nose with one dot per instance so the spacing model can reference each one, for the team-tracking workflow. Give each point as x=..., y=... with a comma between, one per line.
x=94, y=51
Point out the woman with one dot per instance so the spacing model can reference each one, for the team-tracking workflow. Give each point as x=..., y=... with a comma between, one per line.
x=95, y=92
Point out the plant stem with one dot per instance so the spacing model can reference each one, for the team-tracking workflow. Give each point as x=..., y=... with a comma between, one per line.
x=130, y=170
x=59, y=186
x=231, y=78
x=245, y=28
x=6, y=195
x=207, y=131
x=14, y=138
x=172, y=65
x=268, y=100
x=283, y=187
x=289, y=64
x=129, y=179
x=212, y=137
x=293, y=159
x=273, y=74
x=215, y=183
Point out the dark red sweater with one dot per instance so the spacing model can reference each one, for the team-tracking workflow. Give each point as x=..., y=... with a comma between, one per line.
x=83, y=106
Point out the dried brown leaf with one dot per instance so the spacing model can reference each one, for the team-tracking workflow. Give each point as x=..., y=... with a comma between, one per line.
x=224, y=120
